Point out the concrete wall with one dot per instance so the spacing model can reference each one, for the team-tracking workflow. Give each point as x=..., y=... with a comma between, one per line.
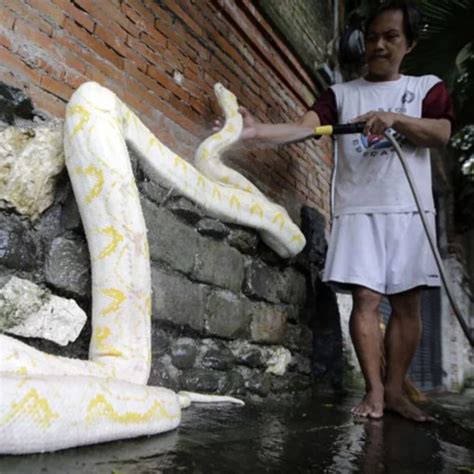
x=457, y=355
x=306, y=26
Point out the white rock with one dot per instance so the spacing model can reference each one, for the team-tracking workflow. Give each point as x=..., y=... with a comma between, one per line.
x=30, y=311
x=30, y=160
x=279, y=361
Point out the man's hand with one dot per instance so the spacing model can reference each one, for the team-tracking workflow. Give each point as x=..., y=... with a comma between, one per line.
x=249, y=122
x=278, y=133
x=377, y=122
x=424, y=132
x=250, y=130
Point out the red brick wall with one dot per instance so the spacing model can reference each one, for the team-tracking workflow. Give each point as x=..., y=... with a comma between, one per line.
x=162, y=58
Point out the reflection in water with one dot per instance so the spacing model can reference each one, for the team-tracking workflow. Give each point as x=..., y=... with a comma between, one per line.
x=98, y=459
x=372, y=462
x=271, y=440
x=312, y=435
x=348, y=445
x=456, y=455
x=395, y=445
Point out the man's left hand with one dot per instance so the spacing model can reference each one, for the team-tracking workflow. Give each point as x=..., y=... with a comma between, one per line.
x=377, y=122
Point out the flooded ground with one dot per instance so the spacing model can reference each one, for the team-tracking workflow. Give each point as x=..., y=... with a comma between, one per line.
x=311, y=435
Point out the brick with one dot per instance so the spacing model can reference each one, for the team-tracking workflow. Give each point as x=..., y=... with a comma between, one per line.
x=48, y=10
x=184, y=17
x=47, y=102
x=74, y=63
x=195, y=88
x=141, y=21
x=186, y=110
x=5, y=41
x=167, y=82
x=9, y=76
x=227, y=48
x=199, y=107
x=173, y=31
x=115, y=20
x=26, y=13
x=224, y=74
x=203, y=54
x=140, y=108
x=176, y=54
x=27, y=31
x=147, y=81
x=154, y=40
x=178, y=118
x=140, y=48
x=146, y=98
x=135, y=59
x=94, y=74
x=43, y=65
x=7, y=19
x=76, y=50
x=89, y=41
x=74, y=80
x=12, y=61
x=146, y=14
x=81, y=17
x=117, y=43
x=58, y=88
x=109, y=14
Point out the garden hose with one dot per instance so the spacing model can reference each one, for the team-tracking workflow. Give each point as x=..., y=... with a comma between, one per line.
x=358, y=127
x=431, y=240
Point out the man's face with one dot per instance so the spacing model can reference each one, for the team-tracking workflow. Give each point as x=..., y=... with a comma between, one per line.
x=386, y=44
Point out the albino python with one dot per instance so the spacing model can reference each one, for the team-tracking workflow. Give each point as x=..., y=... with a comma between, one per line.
x=48, y=402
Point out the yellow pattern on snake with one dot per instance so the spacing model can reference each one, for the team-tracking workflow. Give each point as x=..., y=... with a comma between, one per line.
x=49, y=403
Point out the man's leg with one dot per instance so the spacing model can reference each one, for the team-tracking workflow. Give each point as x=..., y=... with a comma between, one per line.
x=366, y=336
x=401, y=340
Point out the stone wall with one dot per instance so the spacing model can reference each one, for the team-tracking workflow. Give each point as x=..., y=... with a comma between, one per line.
x=228, y=314
x=226, y=311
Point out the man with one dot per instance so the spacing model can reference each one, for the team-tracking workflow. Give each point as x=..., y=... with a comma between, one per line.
x=377, y=245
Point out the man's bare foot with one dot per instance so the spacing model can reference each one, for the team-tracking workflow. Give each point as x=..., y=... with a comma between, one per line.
x=401, y=405
x=371, y=405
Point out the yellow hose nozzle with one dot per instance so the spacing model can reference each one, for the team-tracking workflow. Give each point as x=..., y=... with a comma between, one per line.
x=324, y=130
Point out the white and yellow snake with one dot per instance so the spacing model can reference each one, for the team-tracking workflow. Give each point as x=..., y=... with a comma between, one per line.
x=48, y=402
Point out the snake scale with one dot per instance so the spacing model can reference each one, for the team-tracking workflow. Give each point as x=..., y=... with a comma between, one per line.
x=48, y=402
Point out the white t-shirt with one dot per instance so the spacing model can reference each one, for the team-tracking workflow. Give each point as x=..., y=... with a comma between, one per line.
x=369, y=177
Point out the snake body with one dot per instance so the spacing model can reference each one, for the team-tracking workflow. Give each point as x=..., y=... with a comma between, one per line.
x=48, y=402
x=208, y=156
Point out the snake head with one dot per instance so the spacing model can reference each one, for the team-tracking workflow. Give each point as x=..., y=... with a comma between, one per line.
x=226, y=99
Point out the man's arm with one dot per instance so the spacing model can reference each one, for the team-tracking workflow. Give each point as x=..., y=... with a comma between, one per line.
x=324, y=109
x=431, y=133
x=280, y=133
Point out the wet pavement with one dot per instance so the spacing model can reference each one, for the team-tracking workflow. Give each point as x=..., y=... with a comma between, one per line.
x=309, y=435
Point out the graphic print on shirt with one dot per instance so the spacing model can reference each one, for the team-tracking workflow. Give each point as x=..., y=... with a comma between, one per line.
x=372, y=145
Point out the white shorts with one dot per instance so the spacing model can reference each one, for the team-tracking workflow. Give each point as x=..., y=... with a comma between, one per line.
x=388, y=253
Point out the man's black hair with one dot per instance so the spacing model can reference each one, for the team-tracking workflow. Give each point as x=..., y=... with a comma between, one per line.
x=411, y=17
